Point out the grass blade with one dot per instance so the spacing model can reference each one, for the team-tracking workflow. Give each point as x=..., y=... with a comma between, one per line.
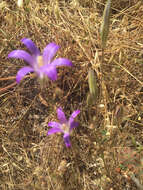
x=104, y=29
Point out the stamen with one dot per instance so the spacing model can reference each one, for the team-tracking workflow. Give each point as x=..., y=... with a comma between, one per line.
x=40, y=61
x=65, y=127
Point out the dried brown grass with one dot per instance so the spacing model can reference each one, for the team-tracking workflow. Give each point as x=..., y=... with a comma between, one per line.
x=31, y=160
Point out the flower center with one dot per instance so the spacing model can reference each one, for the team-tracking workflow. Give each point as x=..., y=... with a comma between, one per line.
x=65, y=127
x=40, y=62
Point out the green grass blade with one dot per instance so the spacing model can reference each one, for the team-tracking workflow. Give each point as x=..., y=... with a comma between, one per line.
x=93, y=89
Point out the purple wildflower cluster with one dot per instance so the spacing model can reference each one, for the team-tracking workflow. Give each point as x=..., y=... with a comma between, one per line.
x=44, y=66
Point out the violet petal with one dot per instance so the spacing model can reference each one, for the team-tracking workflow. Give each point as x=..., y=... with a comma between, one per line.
x=53, y=130
x=31, y=46
x=54, y=124
x=73, y=115
x=67, y=140
x=73, y=125
x=61, y=116
x=62, y=62
x=21, y=54
x=22, y=72
x=49, y=52
x=50, y=71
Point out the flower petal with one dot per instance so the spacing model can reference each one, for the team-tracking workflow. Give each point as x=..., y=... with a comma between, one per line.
x=62, y=62
x=31, y=46
x=49, y=70
x=49, y=52
x=73, y=125
x=61, y=116
x=73, y=115
x=21, y=54
x=54, y=124
x=53, y=130
x=22, y=72
x=67, y=140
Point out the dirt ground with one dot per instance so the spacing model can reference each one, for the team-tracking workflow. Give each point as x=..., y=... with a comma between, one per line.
x=107, y=147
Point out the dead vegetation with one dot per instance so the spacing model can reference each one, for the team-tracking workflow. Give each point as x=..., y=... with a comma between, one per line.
x=107, y=147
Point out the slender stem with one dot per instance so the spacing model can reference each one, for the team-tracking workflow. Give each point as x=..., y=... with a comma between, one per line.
x=7, y=87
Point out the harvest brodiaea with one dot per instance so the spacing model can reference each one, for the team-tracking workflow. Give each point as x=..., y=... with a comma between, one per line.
x=42, y=64
x=64, y=126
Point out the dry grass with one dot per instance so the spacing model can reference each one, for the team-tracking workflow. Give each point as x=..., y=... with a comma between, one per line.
x=107, y=147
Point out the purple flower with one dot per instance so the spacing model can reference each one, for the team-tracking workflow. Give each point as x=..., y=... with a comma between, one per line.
x=64, y=126
x=43, y=65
